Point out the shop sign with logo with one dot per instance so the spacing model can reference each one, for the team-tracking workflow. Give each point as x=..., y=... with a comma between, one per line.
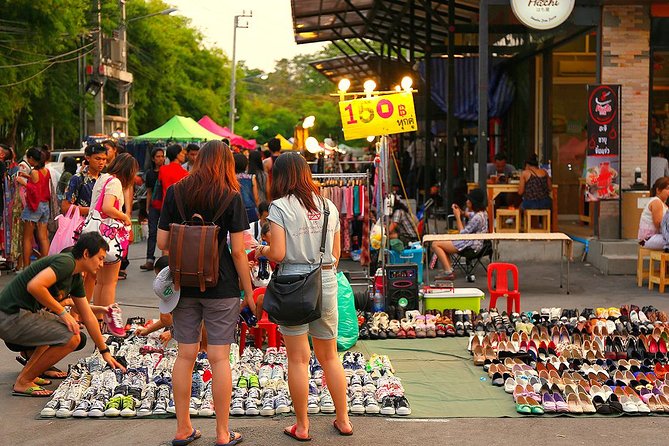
x=542, y=14
x=603, y=144
x=380, y=115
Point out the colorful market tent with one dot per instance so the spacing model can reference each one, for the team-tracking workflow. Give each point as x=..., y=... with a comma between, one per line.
x=225, y=132
x=180, y=128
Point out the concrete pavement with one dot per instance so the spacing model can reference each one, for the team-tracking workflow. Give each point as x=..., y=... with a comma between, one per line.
x=539, y=285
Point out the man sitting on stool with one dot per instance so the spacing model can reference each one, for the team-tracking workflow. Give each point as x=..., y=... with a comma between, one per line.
x=55, y=333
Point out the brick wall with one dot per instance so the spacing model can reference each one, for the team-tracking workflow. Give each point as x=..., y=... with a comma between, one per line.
x=625, y=61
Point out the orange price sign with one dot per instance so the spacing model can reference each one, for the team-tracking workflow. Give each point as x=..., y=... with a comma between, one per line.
x=381, y=115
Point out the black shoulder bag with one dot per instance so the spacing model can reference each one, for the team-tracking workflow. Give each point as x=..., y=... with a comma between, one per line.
x=295, y=299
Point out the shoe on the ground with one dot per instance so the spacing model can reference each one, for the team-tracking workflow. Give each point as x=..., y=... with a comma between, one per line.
x=162, y=398
x=50, y=408
x=237, y=407
x=170, y=407
x=207, y=405
x=267, y=407
x=388, y=405
x=370, y=403
x=282, y=403
x=82, y=409
x=148, y=266
x=357, y=403
x=402, y=406
x=313, y=406
x=148, y=401
x=194, y=406
x=251, y=407
x=326, y=404
x=129, y=406
x=114, y=406
x=98, y=405
x=65, y=408
x=114, y=320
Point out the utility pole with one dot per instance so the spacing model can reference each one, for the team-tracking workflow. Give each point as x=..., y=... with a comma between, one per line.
x=233, y=86
x=124, y=87
x=100, y=97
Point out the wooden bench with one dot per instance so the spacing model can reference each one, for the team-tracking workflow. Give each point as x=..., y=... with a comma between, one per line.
x=659, y=275
x=503, y=215
x=641, y=274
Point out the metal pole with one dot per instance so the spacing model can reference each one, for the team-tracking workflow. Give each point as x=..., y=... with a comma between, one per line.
x=233, y=85
x=100, y=97
x=483, y=94
x=231, y=118
x=428, y=88
x=124, y=87
x=450, y=122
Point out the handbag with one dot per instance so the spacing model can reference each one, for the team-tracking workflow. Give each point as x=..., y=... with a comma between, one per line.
x=295, y=299
x=67, y=225
x=115, y=233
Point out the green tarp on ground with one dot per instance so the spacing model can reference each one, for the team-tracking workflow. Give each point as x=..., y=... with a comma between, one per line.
x=440, y=379
x=180, y=128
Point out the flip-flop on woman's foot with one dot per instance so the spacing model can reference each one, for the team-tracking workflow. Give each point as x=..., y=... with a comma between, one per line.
x=342, y=432
x=188, y=440
x=42, y=381
x=54, y=373
x=33, y=391
x=292, y=432
x=235, y=438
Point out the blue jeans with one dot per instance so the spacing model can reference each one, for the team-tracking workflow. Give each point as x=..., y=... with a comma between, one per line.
x=154, y=216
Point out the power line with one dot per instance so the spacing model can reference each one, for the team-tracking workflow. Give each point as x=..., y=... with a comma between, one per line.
x=49, y=59
x=29, y=78
x=42, y=71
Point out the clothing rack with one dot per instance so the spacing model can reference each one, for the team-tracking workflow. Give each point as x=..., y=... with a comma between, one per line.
x=353, y=179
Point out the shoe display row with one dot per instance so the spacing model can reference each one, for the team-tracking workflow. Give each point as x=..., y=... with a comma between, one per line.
x=432, y=324
x=93, y=390
x=260, y=386
x=602, y=360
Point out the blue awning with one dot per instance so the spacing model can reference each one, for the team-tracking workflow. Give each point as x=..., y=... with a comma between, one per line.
x=500, y=89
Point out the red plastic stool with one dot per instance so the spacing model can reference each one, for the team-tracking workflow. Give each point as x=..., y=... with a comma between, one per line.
x=502, y=286
x=264, y=324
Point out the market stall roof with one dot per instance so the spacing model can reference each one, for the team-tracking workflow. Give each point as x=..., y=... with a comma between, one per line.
x=225, y=132
x=180, y=128
x=327, y=20
x=357, y=68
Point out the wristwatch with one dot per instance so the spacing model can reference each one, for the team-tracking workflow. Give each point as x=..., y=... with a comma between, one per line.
x=104, y=350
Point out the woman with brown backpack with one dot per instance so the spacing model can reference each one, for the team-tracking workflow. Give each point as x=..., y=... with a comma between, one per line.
x=209, y=199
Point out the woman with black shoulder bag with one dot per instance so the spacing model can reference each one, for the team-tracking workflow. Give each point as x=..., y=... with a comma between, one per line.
x=301, y=245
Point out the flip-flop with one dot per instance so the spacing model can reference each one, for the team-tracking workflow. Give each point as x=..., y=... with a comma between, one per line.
x=42, y=381
x=23, y=361
x=346, y=434
x=235, y=438
x=293, y=433
x=188, y=440
x=30, y=392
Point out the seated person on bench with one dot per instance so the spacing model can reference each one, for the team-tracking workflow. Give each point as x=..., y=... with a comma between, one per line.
x=477, y=224
x=32, y=312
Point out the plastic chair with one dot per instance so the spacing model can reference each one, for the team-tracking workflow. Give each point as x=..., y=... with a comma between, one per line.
x=501, y=288
x=264, y=324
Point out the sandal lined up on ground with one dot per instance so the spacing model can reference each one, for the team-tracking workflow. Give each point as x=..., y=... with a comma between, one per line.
x=599, y=360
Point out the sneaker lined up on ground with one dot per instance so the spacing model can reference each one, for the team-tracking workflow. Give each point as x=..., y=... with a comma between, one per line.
x=92, y=389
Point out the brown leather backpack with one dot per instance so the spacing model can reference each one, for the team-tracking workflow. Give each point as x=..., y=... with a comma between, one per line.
x=194, y=247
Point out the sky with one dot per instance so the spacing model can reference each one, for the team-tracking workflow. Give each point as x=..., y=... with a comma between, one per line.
x=268, y=38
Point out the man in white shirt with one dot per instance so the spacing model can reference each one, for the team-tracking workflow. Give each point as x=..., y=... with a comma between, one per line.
x=659, y=166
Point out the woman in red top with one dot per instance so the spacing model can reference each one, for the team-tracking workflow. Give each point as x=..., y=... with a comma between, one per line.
x=36, y=211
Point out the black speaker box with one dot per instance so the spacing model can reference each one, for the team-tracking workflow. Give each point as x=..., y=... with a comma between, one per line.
x=401, y=288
